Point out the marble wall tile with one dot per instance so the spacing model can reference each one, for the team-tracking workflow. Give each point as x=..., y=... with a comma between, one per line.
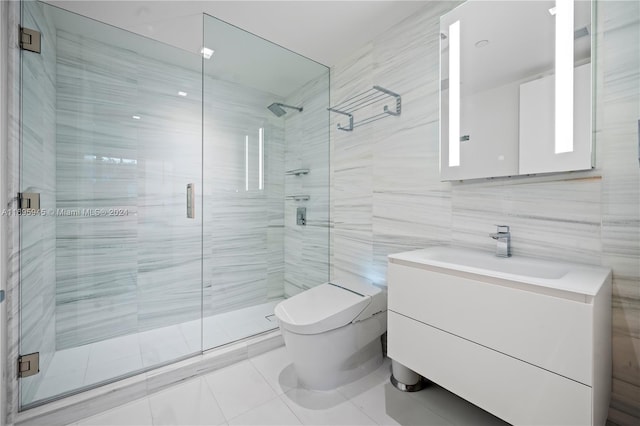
x=558, y=218
x=386, y=194
x=307, y=147
x=411, y=208
x=351, y=174
x=108, y=159
x=169, y=148
x=275, y=185
x=618, y=102
x=154, y=279
x=244, y=259
x=96, y=155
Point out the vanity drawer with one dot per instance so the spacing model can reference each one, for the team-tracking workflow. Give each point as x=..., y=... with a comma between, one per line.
x=547, y=331
x=515, y=391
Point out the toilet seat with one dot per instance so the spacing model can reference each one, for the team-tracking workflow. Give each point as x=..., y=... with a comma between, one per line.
x=321, y=308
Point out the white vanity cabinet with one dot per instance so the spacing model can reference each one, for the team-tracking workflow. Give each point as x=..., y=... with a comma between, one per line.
x=527, y=340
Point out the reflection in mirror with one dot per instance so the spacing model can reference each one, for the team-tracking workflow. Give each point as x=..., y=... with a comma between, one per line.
x=515, y=88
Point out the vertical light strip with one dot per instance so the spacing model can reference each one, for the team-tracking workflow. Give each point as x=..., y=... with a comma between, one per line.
x=454, y=94
x=246, y=163
x=564, y=77
x=260, y=158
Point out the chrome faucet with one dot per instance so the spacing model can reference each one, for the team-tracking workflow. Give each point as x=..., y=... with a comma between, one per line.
x=503, y=240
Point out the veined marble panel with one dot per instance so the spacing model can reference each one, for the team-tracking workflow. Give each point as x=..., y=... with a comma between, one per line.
x=351, y=173
x=274, y=164
x=169, y=265
x=154, y=277
x=96, y=155
x=411, y=207
x=386, y=195
x=618, y=101
x=306, y=247
x=121, y=274
x=243, y=263
x=556, y=219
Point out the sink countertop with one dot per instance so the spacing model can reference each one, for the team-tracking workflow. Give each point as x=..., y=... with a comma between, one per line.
x=576, y=278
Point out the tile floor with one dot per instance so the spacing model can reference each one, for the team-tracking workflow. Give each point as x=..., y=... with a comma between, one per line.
x=86, y=365
x=263, y=391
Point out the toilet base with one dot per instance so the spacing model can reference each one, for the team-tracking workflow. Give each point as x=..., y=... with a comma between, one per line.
x=331, y=359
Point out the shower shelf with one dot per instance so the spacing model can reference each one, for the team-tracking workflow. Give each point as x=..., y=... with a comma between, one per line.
x=375, y=95
x=297, y=172
x=298, y=197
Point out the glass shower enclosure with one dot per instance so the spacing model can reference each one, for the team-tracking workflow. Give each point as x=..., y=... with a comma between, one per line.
x=162, y=191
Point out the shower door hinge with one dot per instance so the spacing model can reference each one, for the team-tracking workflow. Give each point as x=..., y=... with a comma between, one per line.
x=29, y=201
x=30, y=40
x=28, y=365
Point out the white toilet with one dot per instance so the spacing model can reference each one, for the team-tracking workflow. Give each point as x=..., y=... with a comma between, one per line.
x=332, y=332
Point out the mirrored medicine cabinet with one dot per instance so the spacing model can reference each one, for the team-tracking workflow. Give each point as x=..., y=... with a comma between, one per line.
x=515, y=88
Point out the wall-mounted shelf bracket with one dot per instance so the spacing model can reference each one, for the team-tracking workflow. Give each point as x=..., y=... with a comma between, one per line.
x=348, y=128
x=375, y=95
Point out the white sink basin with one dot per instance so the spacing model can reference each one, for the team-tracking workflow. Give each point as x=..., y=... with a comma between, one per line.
x=573, y=277
x=509, y=265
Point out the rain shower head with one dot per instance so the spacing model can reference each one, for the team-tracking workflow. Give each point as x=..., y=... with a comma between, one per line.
x=276, y=108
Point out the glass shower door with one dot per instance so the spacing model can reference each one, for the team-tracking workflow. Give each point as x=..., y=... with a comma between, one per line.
x=266, y=161
x=111, y=259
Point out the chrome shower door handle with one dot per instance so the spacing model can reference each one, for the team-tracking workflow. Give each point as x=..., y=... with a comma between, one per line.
x=191, y=201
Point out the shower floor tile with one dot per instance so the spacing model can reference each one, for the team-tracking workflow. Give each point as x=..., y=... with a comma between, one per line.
x=162, y=345
x=87, y=365
x=264, y=391
x=54, y=384
x=99, y=372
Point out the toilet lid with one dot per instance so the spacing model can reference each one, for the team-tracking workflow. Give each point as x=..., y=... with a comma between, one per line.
x=319, y=309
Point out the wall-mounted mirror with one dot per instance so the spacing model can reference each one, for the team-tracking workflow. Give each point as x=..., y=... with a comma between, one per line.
x=515, y=92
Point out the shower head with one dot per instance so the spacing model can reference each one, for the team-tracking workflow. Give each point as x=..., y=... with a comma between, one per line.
x=276, y=108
